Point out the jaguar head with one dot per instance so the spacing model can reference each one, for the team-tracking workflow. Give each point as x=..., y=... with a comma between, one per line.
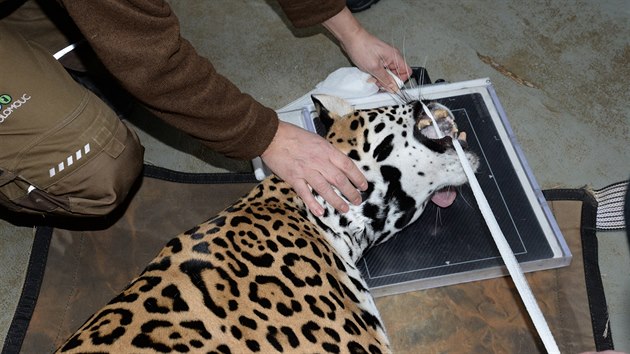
x=403, y=158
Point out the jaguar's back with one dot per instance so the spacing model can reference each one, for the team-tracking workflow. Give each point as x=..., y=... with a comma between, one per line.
x=265, y=275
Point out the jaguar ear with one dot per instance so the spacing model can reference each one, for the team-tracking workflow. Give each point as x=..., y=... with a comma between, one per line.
x=330, y=108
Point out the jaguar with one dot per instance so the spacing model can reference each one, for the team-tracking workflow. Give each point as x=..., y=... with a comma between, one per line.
x=265, y=274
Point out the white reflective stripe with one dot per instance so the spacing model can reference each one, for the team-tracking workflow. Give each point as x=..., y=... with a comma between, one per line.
x=70, y=160
x=30, y=189
x=64, y=51
x=509, y=259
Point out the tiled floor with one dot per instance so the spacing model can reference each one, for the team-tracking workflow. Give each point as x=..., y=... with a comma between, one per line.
x=573, y=126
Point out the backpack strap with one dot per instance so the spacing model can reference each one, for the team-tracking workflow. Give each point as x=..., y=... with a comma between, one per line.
x=6, y=176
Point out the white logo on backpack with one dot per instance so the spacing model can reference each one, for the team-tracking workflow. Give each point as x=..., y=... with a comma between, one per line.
x=7, y=105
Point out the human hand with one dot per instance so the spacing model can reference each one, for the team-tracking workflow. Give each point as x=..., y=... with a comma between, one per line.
x=367, y=52
x=304, y=159
x=374, y=56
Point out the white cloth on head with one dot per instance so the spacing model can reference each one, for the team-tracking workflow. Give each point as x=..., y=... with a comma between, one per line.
x=348, y=82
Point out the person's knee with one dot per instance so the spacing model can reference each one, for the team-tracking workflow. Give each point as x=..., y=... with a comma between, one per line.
x=104, y=183
x=91, y=179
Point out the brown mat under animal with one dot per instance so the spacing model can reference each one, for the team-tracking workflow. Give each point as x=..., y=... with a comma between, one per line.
x=489, y=317
x=85, y=269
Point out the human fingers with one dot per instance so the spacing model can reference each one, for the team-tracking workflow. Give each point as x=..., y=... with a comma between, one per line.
x=396, y=64
x=305, y=159
x=323, y=187
x=334, y=169
x=391, y=62
x=348, y=178
x=385, y=81
x=304, y=192
x=400, y=68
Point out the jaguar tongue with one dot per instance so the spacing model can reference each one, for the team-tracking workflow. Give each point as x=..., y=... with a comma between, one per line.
x=444, y=197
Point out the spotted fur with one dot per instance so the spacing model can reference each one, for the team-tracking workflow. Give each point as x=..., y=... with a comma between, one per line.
x=265, y=275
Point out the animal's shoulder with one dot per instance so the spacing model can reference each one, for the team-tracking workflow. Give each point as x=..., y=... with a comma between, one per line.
x=257, y=277
x=265, y=275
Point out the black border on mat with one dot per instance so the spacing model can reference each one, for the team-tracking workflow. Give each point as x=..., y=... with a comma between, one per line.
x=593, y=279
x=30, y=290
x=39, y=253
x=196, y=178
x=43, y=235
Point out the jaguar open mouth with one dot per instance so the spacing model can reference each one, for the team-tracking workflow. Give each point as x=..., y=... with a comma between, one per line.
x=426, y=133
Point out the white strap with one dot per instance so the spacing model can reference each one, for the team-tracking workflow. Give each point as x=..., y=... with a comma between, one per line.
x=509, y=259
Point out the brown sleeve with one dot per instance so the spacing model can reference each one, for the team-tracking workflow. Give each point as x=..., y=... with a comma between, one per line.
x=304, y=13
x=140, y=44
